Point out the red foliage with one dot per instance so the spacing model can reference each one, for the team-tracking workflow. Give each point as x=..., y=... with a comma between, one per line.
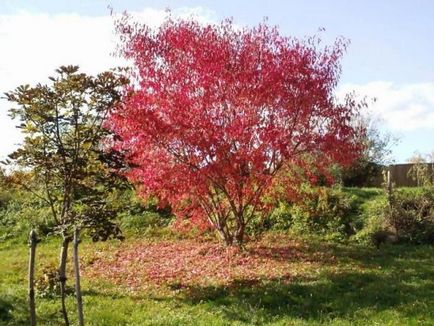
x=187, y=262
x=216, y=116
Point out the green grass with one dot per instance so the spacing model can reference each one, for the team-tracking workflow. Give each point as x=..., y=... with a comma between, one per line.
x=363, y=286
x=363, y=195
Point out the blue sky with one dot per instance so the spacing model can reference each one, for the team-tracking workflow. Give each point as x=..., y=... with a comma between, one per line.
x=390, y=56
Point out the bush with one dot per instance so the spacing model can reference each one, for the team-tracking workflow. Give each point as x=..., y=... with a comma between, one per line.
x=48, y=284
x=412, y=215
x=22, y=213
x=139, y=223
x=329, y=212
x=5, y=198
x=363, y=174
x=137, y=216
x=281, y=217
x=410, y=218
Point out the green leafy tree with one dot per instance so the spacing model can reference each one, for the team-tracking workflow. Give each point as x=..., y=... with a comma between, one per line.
x=377, y=153
x=64, y=150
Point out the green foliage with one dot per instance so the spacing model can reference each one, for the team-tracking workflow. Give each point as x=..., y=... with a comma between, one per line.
x=408, y=217
x=63, y=158
x=325, y=211
x=367, y=169
x=371, y=218
x=422, y=171
x=362, y=174
x=5, y=197
x=142, y=223
x=411, y=214
x=136, y=216
x=281, y=217
x=23, y=212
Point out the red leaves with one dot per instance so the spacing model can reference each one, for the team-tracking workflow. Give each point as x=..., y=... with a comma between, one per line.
x=189, y=262
x=215, y=112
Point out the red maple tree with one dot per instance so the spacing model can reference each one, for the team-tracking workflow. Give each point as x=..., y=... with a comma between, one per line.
x=217, y=117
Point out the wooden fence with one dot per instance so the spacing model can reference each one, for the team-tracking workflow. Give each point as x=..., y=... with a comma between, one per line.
x=401, y=177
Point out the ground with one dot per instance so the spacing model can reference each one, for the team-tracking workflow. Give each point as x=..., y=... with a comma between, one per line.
x=278, y=280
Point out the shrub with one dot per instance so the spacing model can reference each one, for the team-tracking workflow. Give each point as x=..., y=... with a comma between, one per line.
x=19, y=212
x=139, y=223
x=362, y=174
x=47, y=285
x=22, y=213
x=136, y=215
x=5, y=198
x=326, y=211
x=409, y=218
x=281, y=217
x=412, y=215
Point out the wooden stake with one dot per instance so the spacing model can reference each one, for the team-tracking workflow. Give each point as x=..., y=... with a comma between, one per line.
x=77, y=278
x=33, y=240
x=62, y=276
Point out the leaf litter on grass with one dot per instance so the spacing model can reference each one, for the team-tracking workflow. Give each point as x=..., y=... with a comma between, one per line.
x=183, y=263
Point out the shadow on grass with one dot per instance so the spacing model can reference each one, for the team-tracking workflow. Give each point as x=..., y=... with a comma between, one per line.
x=13, y=311
x=382, y=282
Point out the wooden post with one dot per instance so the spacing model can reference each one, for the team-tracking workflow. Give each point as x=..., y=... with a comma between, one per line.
x=389, y=182
x=390, y=199
x=62, y=276
x=389, y=189
x=33, y=239
x=77, y=278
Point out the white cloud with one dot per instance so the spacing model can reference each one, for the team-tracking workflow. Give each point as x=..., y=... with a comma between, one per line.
x=33, y=45
x=402, y=107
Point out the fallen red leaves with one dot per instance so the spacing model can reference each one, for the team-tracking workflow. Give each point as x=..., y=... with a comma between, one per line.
x=189, y=262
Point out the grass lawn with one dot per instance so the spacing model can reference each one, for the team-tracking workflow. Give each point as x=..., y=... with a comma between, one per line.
x=275, y=282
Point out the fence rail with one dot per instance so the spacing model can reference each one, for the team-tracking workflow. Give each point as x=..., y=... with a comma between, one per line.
x=400, y=174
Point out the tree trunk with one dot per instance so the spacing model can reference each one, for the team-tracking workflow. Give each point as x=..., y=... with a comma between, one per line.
x=224, y=234
x=239, y=234
x=223, y=237
x=77, y=279
x=32, y=308
x=62, y=276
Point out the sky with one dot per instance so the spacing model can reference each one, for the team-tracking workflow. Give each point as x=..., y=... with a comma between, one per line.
x=390, y=57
